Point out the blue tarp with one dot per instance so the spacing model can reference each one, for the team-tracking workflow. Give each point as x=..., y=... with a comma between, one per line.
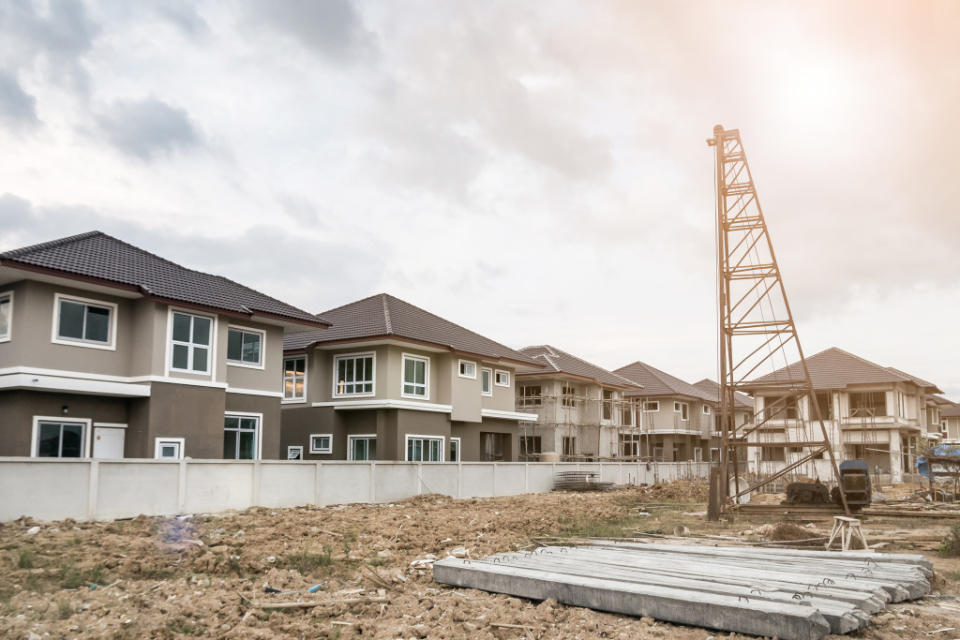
x=939, y=451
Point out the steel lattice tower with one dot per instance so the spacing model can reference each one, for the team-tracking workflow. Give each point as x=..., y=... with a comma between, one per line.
x=756, y=327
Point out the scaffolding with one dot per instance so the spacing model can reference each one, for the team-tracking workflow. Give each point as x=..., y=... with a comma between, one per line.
x=756, y=329
x=589, y=428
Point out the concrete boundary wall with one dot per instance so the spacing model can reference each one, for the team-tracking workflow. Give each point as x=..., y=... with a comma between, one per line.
x=85, y=489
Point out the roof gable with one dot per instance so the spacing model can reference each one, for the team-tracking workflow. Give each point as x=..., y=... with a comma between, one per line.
x=385, y=316
x=104, y=258
x=559, y=361
x=712, y=389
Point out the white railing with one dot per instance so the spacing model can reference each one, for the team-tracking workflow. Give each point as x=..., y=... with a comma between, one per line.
x=86, y=489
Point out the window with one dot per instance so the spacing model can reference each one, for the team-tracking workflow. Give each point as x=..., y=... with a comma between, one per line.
x=55, y=439
x=424, y=449
x=454, y=453
x=6, y=316
x=295, y=378
x=486, y=382
x=626, y=414
x=363, y=447
x=569, y=446
x=415, y=377
x=826, y=406
x=683, y=409
x=321, y=443
x=494, y=447
x=697, y=454
x=772, y=454
x=567, y=396
x=168, y=448
x=943, y=427
x=190, y=340
x=706, y=410
x=353, y=374
x=780, y=408
x=658, y=454
x=714, y=455
x=501, y=378
x=868, y=404
x=652, y=407
x=295, y=452
x=245, y=347
x=84, y=322
x=468, y=369
x=530, y=448
x=630, y=445
x=240, y=437
x=607, y=404
x=530, y=395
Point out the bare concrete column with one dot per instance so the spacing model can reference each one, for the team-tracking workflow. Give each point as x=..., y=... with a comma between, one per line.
x=896, y=458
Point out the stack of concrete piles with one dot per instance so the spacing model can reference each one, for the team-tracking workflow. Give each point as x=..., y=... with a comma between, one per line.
x=786, y=593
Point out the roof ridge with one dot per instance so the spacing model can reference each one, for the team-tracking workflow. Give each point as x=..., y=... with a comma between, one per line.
x=588, y=363
x=12, y=253
x=386, y=313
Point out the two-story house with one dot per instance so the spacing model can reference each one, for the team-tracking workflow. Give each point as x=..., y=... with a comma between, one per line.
x=391, y=381
x=109, y=351
x=742, y=414
x=581, y=412
x=871, y=412
x=678, y=418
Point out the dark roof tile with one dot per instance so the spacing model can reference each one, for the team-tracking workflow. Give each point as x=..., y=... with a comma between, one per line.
x=559, y=361
x=96, y=255
x=659, y=383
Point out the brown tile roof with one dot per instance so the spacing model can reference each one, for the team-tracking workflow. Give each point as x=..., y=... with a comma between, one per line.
x=835, y=368
x=384, y=316
x=712, y=389
x=659, y=383
x=561, y=362
x=106, y=260
x=948, y=408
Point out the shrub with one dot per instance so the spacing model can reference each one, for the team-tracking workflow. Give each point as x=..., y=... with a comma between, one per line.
x=306, y=562
x=26, y=559
x=951, y=544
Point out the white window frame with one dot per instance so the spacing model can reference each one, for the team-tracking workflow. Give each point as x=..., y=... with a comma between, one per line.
x=35, y=435
x=158, y=442
x=8, y=295
x=321, y=450
x=944, y=427
x=294, y=399
x=460, y=373
x=110, y=345
x=706, y=410
x=459, y=450
x=291, y=449
x=258, y=433
x=698, y=454
x=496, y=378
x=358, y=436
x=678, y=408
x=360, y=354
x=426, y=376
x=651, y=403
x=212, y=347
x=414, y=436
x=263, y=348
x=489, y=392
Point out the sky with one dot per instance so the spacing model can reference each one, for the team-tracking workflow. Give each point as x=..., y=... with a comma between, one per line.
x=536, y=172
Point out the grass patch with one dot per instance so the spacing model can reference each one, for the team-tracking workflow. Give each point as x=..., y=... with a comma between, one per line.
x=950, y=546
x=182, y=627
x=72, y=578
x=377, y=561
x=27, y=559
x=64, y=609
x=306, y=563
x=588, y=528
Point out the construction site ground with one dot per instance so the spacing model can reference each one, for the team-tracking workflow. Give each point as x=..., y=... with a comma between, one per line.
x=206, y=575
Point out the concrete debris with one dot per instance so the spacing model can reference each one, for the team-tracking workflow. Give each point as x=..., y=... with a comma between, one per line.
x=786, y=593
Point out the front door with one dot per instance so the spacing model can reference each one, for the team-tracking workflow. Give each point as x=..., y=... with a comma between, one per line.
x=108, y=442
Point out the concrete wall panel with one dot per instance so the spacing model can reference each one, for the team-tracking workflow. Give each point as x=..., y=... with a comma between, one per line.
x=285, y=484
x=149, y=488
x=218, y=486
x=44, y=490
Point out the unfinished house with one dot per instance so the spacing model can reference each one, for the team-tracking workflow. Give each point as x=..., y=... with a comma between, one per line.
x=949, y=420
x=581, y=413
x=109, y=351
x=742, y=412
x=678, y=418
x=871, y=412
x=391, y=381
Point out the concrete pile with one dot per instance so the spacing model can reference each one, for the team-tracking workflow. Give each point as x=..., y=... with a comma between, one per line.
x=784, y=593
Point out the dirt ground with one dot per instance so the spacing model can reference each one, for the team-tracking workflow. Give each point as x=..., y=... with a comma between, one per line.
x=206, y=575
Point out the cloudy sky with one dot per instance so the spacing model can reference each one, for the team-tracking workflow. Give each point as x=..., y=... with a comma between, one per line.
x=534, y=171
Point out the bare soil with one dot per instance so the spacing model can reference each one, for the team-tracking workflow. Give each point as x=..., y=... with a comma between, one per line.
x=206, y=575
